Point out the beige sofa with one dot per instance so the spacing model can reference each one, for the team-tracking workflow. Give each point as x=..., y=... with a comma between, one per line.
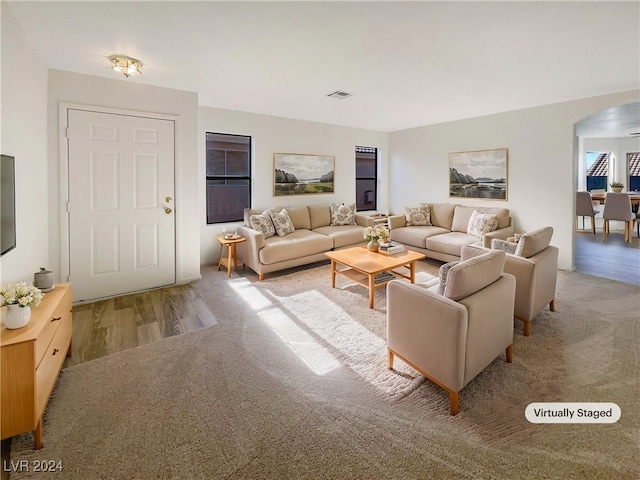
x=451, y=337
x=447, y=234
x=313, y=236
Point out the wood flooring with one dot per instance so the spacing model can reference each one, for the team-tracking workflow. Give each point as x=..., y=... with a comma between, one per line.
x=109, y=326
x=613, y=258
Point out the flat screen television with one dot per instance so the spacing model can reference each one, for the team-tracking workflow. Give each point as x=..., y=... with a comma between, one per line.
x=7, y=204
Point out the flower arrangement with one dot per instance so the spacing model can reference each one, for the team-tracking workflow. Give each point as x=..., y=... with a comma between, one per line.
x=20, y=294
x=616, y=185
x=375, y=233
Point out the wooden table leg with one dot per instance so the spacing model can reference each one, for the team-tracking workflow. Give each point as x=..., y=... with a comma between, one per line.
x=372, y=290
x=220, y=256
x=412, y=269
x=229, y=258
x=235, y=257
x=333, y=273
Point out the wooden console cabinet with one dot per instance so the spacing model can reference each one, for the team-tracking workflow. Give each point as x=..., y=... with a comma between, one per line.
x=31, y=359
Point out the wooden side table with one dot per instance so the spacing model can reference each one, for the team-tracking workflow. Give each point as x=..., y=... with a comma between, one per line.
x=231, y=252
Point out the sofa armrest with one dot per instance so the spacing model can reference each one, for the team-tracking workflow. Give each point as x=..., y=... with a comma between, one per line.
x=248, y=251
x=397, y=221
x=501, y=233
x=428, y=330
x=364, y=220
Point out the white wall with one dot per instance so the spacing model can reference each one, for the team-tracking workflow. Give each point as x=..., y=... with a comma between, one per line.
x=24, y=136
x=542, y=174
x=129, y=95
x=276, y=134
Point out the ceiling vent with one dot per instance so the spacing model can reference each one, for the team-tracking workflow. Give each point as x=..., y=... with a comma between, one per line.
x=340, y=95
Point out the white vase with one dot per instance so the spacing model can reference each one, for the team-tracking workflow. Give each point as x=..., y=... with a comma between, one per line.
x=17, y=316
x=373, y=246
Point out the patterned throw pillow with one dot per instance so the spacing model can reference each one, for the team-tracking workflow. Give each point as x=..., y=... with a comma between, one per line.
x=481, y=223
x=343, y=214
x=443, y=274
x=499, y=244
x=282, y=222
x=418, y=216
x=263, y=224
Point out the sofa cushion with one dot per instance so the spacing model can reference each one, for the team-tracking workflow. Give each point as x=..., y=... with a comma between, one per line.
x=282, y=222
x=417, y=216
x=299, y=217
x=343, y=214
x=481, y=223
x=441, y=214
x=297, y=244
x=462, y=215
x=263, y=223
x=319, y=215
x=443, y=273
x=415, y=236
x=534, y=242
x=343, y=235
x=451, y=243
x=470, y=276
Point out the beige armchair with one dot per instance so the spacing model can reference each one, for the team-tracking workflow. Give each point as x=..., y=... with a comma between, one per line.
x=451, y=337
x=534, y=263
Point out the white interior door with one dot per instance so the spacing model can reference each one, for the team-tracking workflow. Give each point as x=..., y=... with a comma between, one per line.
x=121, y=208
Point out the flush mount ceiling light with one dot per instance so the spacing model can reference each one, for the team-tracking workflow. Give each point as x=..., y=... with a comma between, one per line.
x=127, y=65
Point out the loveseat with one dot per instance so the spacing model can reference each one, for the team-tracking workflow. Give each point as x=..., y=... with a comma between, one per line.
x=440, y=230
x=314, y=230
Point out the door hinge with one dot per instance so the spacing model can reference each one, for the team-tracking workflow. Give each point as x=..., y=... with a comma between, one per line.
x=68, y=207
x=66, y=132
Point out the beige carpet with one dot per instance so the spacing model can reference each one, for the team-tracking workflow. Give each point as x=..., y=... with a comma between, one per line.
x=294, y=385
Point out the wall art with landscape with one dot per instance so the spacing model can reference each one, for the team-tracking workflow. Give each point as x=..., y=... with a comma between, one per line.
x=479, y=174
x=300, y=174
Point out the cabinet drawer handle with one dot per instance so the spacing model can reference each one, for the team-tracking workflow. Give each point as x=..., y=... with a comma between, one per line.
x=55, y=350
x=55, y=319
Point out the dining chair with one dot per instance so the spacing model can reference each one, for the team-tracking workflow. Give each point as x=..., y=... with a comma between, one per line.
x=617, y=206
x=584, y=208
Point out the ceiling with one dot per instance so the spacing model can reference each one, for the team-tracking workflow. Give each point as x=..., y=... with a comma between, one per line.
x=408, y=64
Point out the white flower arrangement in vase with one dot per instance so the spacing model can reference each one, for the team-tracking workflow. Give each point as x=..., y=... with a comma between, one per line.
x=20, y=294
x=19, y=298
x=376, y=233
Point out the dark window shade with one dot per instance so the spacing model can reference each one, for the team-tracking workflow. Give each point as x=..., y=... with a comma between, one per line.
x=228, y=170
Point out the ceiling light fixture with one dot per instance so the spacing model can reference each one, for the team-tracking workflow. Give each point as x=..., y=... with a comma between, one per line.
x=127, y=65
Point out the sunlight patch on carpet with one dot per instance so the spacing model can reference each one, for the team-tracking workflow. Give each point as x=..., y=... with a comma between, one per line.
x=314, y=355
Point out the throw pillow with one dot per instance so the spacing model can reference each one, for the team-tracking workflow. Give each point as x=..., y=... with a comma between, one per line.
x=343, y=214
x=507, y=247
x=263, y=224
x=418, y=216
x=481, y=223
x=443, y=274
x=282, y=222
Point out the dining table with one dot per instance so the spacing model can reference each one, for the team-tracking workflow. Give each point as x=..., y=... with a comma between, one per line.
x=633, y=196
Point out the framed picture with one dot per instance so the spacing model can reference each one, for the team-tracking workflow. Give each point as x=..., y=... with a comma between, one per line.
x=479, y=174
x=301, y=174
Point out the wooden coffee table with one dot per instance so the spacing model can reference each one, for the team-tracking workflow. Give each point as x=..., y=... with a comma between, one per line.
x=362, y=266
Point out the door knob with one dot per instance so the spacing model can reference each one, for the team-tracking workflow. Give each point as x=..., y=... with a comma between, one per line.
x=168, y=199
x=167, y=210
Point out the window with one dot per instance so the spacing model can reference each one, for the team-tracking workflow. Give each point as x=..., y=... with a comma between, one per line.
x=633, y=171
x=597, y=170
x=366, y=178
x=228, y=177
